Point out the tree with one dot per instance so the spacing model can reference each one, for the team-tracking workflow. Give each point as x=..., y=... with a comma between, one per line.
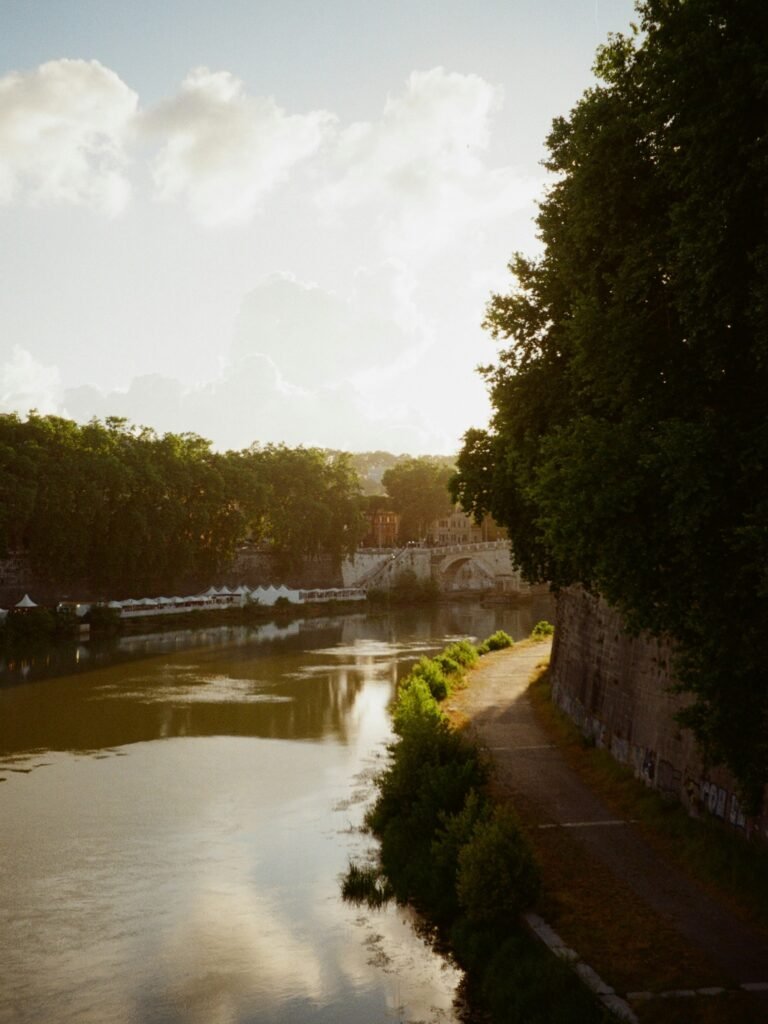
x=419, y=491
x=628, y=445
x=312, y=503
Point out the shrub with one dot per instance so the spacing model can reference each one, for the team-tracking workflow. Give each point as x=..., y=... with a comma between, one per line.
x=499, y=640
x=415, y=703
x=463, y=652
x=542, y=629
x=431, y=672
x=454, y=831
x=497, y=876
x=447, y=665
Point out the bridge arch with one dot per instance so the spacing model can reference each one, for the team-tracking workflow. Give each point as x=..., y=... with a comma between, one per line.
x=467, y=572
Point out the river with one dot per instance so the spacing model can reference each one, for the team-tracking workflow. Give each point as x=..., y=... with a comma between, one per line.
x=177, y=813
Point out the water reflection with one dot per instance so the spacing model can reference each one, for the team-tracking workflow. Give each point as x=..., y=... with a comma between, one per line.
x=175, y=827
x=299, y=681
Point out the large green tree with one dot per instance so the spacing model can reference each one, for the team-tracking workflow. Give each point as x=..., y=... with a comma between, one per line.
x=419, y=491
x=312, y=503
x=128, y=510
x=628, y=449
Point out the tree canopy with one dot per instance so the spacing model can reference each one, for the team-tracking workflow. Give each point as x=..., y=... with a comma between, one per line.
x=127, y=509
x=629, y=442
x=419, y=491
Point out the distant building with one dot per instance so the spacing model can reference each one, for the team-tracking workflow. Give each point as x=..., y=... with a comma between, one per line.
x=459, y=528
x=383, y=524
x=456, y=528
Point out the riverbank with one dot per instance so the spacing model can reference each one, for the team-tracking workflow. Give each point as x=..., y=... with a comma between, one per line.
x=674, y=951
x=457, y=855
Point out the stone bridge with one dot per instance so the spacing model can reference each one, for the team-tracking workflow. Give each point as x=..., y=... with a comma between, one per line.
x=456, y=568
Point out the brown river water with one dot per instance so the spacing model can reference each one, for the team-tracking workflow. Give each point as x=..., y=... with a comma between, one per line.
x=176, y=815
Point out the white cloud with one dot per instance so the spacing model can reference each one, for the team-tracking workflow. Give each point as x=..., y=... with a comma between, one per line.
x=62, y=133
x=224, y=151
x=249, y=402
x=421, y=170
x=26, y=384
x=313, y=336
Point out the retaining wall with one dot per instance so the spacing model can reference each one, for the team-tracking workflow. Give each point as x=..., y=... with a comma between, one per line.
x=617, y=689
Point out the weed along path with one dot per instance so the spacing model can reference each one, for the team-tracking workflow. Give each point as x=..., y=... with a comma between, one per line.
x=620, y=909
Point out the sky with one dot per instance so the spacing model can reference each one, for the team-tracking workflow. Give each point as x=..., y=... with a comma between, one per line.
x=269, y=221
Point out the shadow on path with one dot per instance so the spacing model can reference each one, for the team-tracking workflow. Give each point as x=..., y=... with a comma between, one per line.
x=551, y=797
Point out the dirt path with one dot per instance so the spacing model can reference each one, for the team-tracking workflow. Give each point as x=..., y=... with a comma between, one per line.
x=613, y=854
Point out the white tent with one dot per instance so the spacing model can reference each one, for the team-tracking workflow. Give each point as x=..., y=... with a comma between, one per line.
x=26, y=602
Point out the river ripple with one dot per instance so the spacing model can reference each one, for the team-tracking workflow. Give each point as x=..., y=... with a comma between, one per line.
x=176, y=820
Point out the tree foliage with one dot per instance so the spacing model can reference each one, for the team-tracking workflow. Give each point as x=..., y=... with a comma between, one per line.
x=419, y=491
x=127, y=509
x=311, y=503
x=629, y=443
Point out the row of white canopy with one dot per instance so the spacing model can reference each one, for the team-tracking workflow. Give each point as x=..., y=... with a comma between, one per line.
x=215, y=597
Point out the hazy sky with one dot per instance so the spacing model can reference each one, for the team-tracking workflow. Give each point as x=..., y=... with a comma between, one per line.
x=273, y=220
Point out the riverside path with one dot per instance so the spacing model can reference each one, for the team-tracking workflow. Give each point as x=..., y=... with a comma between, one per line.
x=654, y=934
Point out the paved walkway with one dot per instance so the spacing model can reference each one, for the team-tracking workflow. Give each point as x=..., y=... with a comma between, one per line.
x=532, y=768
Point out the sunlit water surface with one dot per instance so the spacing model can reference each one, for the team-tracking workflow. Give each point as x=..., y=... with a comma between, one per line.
x=176, y=819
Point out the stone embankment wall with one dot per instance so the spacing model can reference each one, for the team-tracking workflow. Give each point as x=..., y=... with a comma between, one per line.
x=251, y=567
x=617, y=689
x=259, y=568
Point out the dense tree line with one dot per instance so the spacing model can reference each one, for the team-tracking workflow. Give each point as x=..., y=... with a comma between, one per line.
x=418, y=489
x=629, y=445
x=125, y=508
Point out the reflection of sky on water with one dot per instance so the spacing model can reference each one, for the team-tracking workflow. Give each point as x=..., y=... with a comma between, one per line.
x=196, y=879
x=189, y=687
x=201, y=884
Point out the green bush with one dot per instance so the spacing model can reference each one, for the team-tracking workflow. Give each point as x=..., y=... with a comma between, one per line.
x=432, y=771
x=454, y=831
x=498, y=641
x=449, y=668
x=497, y=876
x=463, y=652
x=431, y=672
x=415, y=703
x=542, y=629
